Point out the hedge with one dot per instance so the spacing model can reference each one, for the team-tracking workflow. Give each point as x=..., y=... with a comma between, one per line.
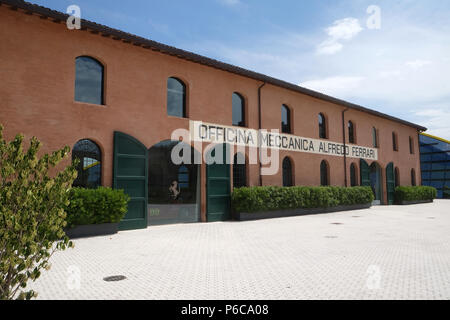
x=260, y=199
x=414, y=193
x=96, y=206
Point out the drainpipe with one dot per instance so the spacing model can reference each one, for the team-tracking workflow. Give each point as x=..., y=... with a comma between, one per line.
x=259, y=128
x=345, y=146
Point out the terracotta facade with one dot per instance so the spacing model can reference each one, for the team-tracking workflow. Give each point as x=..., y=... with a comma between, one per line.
x=37, y=72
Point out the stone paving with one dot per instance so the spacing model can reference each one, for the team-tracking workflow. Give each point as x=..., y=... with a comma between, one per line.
x=386, y=252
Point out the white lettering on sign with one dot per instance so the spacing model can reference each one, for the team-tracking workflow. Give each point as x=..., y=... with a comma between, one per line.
x=214, y=133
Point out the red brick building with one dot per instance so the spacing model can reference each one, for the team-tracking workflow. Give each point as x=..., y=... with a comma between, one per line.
x=116, y=99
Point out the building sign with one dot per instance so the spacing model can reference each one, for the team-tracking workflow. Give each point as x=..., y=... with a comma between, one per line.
x=214, y=133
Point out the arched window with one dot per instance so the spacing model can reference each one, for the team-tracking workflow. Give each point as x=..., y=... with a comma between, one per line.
x=411, y=145
x=324, y=173
x=413, y=177
x=239, y=171
x=238, y=110
x=176, y=98
x=90, y=167
x=88, y=80
x=397, y=177
x=322, y=126
x=285, y=119
x=394, y=141
x=351, y=132
x=375, y=137
x=353, y=177
x=287, y=173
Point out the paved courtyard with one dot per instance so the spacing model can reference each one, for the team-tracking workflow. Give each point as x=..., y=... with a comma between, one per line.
x=381, y=253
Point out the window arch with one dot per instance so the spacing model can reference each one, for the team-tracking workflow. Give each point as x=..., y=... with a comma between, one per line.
x=375, y=137
x=394, y=141
x=288, y=180
x=285, y=119
x=397, y=177
x=238, y=104
x=324, y=173
x=351, y=132
x=322, y=126
x=90, y=167
x=176, y=98
x=239, y=171
x=89, y=77
x=353, y=175
x=413, y=177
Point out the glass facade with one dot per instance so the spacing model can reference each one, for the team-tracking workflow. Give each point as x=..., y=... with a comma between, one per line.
x=435, y=164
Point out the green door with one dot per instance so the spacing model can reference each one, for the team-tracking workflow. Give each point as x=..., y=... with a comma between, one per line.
x=365, y=173
x=390, y=182
x=130, y=174
x=218, y=186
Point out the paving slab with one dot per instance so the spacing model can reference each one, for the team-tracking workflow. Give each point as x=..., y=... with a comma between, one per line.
x=385, y=252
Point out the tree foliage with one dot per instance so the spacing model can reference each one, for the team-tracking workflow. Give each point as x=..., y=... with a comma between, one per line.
x=32, y=215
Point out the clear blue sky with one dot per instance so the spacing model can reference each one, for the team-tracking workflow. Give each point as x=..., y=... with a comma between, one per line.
x=402, y=68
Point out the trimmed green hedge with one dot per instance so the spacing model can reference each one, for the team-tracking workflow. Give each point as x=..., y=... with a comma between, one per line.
x=260, y=199
x=96, y=206
x=415, y=193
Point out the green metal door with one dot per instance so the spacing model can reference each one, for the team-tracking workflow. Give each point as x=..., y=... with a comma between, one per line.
x=218, y=186
x=365, y=173
x=390, y=182
x=130, y=174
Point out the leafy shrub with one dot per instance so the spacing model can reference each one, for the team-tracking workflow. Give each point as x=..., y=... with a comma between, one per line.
x=96, y=206
x=257, y=199
x=32, y=217
x=414, y=193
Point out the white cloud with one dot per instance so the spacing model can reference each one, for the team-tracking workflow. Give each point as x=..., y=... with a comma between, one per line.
x=417, y=64
x=329, y=47
x=437, y=120
x=341, y=30
x=339, y=85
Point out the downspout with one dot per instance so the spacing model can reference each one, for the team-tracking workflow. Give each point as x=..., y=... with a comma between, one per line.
x=259, y=128
x=345, y=146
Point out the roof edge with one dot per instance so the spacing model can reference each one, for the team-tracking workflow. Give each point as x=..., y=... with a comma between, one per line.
x=434, y=137
x=186, y=55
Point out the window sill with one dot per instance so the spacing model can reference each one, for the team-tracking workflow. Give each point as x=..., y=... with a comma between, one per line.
x=90, y=104
x=175, y=117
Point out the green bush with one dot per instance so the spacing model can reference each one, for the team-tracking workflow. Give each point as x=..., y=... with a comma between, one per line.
x=414, y=193
x=33, y=195
x=96, y=206
x=257, y=199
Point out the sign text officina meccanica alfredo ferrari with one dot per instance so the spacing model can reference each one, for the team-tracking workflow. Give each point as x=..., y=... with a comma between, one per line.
x=215, y=133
